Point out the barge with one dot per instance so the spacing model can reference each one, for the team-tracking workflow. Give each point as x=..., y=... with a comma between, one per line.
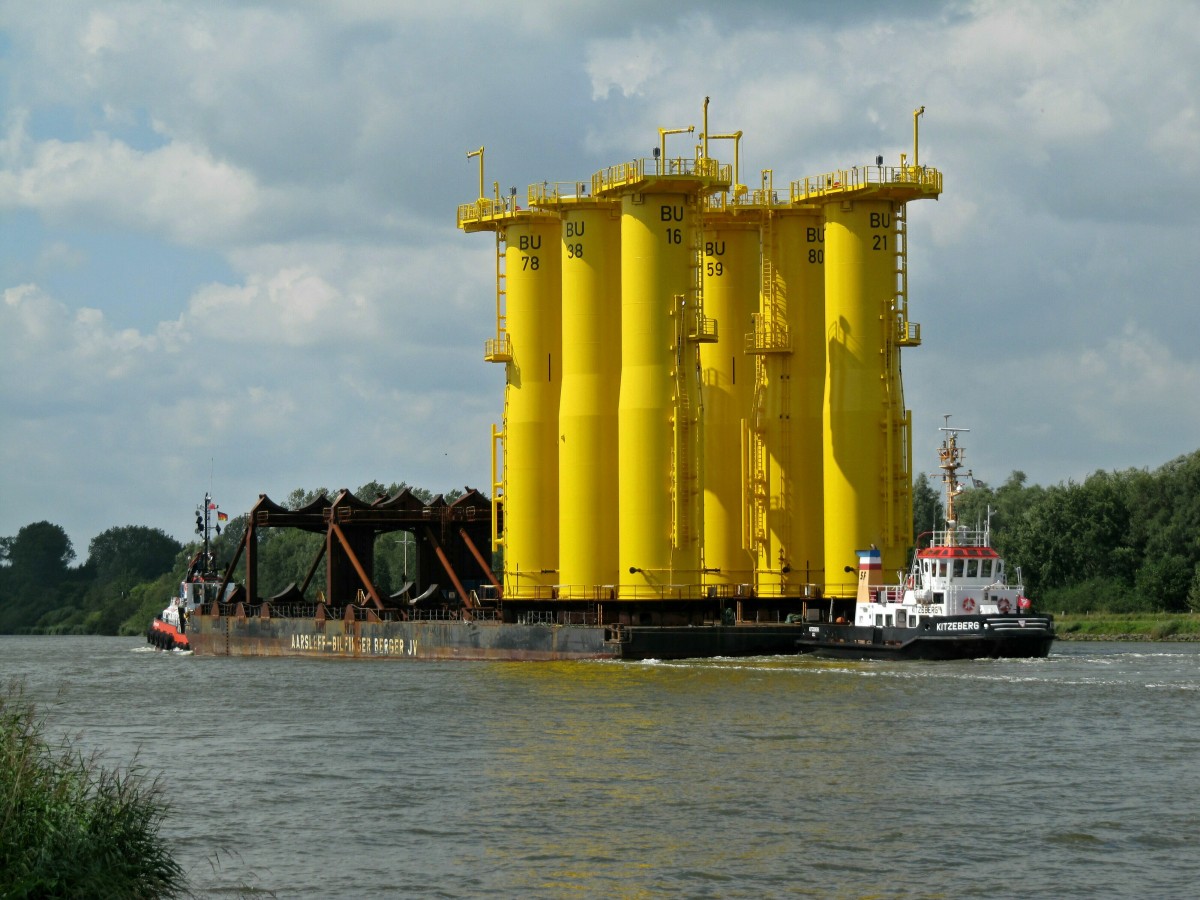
x=455, y=609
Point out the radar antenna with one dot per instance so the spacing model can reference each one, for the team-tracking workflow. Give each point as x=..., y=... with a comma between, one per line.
x=950, y=460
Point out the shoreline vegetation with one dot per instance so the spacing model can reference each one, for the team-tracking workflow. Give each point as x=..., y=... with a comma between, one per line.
x=71, y=828
x=1127, y=626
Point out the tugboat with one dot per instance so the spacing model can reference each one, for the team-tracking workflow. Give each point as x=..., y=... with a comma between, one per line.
x=200, y=585
x=957, y=601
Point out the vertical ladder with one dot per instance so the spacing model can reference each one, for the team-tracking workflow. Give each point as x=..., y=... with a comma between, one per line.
x=682, y=450
x=898, y=439
x=498, y=349
x=907, y=334
x=767, y=330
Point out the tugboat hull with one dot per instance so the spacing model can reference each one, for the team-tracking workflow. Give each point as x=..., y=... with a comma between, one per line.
x=956, y=637
x=166, y=636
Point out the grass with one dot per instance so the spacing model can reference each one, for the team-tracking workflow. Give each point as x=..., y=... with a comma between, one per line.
x=70, y=828
x=1128, y=626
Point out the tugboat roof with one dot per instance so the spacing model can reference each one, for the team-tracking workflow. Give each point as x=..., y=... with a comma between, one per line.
x=958, y=551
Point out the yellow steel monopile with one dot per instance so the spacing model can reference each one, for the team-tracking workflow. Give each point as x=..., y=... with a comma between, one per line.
x=795, y=548
x=867, y=446
x=659, y=487
x=731, y=274
x=529, y=342
x=783, y=447
x=591, y=370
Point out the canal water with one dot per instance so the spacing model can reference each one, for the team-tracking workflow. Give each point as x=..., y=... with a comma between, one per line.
x=1072, y=776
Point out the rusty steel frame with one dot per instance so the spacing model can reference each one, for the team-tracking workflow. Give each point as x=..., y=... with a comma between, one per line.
x=386, y=514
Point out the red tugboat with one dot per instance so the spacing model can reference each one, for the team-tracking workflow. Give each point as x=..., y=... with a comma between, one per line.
x=201, y=584
x=957, y=602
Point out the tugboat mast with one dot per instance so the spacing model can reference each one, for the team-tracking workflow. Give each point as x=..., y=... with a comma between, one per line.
x=950, y=460
x=203, y=526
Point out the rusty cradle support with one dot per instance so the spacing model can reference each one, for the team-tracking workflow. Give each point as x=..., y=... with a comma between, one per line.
x=228, y=576
x=358, y=566
x=445, y=561
x=487, y=570
x=312, y=570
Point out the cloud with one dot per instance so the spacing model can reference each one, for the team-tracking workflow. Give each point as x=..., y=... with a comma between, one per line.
x=1126, y=390
x=177, y=190
x=294, y=306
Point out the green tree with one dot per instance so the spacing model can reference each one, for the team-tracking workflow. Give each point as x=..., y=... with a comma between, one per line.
x=1164, y=582
x=40, y=552
x=132, y=551
x=37, y=577
x=1074, y=532
x=927, y=508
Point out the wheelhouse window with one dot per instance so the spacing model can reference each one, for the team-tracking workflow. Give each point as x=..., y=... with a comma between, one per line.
x=985, y=568
x=958, y=568
x=972, y=568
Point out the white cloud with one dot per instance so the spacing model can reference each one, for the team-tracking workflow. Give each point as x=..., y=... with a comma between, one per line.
x=623, y=64
x=177, y=190
x=294, y=306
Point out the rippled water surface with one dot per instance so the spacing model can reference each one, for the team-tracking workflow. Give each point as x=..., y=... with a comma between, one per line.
x=1072, y=776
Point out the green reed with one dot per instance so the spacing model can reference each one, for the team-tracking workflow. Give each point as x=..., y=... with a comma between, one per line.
x=71, y=828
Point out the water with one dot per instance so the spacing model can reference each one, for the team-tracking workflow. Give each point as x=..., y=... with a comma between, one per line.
x=1071, y=776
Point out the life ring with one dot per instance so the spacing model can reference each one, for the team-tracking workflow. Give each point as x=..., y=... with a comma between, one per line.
x=910, y=583
x=1004, y=605
x=969, y=605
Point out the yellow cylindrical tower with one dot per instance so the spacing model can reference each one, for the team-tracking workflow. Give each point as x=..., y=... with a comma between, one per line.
x=730, y=271
x=860, y=280
x=533, y=282
x=867, y=455
x=591, y=353
x=657, y=236
x=658, y=458
x=783, y=443
x=796, y=523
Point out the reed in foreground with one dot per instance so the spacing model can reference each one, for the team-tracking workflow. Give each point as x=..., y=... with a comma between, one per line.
x=70, y=828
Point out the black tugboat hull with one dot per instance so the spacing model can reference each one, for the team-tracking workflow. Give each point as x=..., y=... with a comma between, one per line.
x=957, y=637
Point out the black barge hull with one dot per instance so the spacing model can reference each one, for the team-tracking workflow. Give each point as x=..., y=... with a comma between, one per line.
x=490, y=640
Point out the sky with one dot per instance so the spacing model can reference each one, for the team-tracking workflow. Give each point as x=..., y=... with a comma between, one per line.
x=229, y=258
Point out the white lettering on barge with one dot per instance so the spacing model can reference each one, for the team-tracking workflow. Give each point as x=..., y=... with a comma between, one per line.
x=348, y=644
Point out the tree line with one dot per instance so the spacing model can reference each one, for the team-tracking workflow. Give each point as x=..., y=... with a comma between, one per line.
x=1122, y=541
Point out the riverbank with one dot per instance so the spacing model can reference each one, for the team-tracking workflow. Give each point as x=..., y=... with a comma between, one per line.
x=1127, y=627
